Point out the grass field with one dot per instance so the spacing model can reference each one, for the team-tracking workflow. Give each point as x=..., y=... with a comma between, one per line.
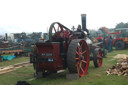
x=95, y=76
x=14, y=61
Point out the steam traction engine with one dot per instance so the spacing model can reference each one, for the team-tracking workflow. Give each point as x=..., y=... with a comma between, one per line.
x=66, y=49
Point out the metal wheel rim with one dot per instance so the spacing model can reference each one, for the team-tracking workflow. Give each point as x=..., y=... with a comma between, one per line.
x=99, y=58
x=56, y=30
x=82, y=58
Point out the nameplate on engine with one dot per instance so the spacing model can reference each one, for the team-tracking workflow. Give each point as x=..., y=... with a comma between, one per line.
x=46, y=54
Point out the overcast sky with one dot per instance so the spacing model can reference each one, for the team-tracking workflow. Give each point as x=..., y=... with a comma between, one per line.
x=37, y=15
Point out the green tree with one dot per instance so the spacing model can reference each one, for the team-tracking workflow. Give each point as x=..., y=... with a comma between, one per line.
x=122, y=25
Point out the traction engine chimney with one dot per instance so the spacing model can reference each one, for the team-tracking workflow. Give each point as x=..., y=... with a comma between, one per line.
x=83, y=18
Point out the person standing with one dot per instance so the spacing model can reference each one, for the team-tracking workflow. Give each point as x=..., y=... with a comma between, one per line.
x=110, y=40
x=104, y=47
x=104, y=43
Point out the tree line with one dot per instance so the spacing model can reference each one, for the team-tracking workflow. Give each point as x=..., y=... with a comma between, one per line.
x=121, y=25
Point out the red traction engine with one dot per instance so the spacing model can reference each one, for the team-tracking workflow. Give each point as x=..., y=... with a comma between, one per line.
x=66, y=49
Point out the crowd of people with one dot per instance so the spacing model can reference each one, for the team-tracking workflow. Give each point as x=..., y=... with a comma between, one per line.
x=107, y=42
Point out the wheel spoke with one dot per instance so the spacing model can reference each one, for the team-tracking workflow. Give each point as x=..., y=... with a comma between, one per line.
x=54, y=29
x=82, y=44
x=77, y=58
x=82, y=57
x=78, y=69
x=84, y=52
x=83, y=61
x=77, y=53
x=81, y=68
x=58, y=28
x=79, y=47
x=98, y=55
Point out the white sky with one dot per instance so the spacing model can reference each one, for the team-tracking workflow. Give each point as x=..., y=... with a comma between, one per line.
x=37, y=15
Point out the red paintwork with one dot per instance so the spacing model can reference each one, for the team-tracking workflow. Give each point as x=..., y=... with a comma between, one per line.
x=105, y=29
x=56, y=30
x=43, y=40
x=53, y=48
x=84, y=54
x=100, y=60
x=117, y=39
x=115, y=33
x=100, y=37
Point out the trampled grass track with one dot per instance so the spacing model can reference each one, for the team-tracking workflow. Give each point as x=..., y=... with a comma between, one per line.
x=95, y=76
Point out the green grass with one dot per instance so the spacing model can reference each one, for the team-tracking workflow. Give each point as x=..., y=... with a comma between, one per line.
x=95, y=76
x=14, y=61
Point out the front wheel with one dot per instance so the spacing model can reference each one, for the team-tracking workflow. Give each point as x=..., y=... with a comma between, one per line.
x=97, y=57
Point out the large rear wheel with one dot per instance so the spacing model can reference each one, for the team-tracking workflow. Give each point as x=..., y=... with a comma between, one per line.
x=119, y=45
x=78, y=57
